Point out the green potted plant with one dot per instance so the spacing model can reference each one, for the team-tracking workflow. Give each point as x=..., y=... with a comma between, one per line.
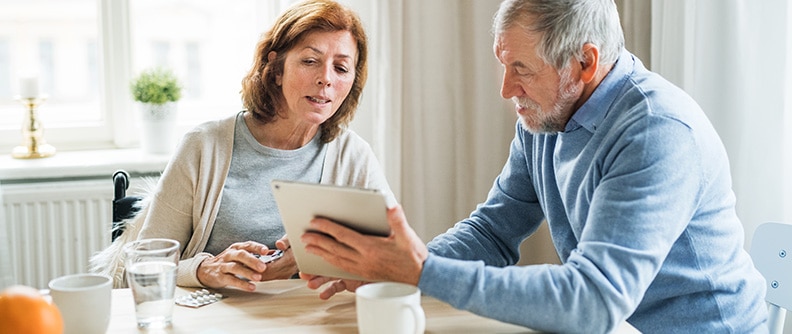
x=157, y=90
x=156, y=86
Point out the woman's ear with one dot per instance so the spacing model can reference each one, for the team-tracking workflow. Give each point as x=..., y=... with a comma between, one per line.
x=590, y=63
x=270, y=58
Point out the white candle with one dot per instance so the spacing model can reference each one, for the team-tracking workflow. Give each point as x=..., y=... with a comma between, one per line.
x=29, y=87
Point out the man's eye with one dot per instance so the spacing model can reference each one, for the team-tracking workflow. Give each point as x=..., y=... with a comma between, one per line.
x=522, y=72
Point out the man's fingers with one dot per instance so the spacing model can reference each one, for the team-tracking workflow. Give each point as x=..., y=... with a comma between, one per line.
x=340, y=286
x=332, y=288
x=314, y=282
x=397, y=220
x=327, y=247
x=333, y=230
x=330, y=250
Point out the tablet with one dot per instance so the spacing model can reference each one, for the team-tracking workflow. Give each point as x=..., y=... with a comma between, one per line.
x=363, y=210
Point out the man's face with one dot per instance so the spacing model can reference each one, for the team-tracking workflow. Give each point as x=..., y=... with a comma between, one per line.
x=544, y=98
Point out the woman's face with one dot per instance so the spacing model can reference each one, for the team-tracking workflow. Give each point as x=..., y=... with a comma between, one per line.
x=317, y=76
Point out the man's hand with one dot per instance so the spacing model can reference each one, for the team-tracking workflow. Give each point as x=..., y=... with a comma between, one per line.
x=334, y=285
x=397, y=258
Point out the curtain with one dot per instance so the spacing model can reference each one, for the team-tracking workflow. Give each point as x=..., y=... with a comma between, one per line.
x=379, y=115
x=432, y=109
x=735, y=58
x=636, y=19
x=456, y=127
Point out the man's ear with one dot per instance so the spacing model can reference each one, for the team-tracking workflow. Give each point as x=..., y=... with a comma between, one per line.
x=590, y=63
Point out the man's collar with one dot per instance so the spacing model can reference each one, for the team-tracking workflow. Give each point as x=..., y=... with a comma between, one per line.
x=591, y=113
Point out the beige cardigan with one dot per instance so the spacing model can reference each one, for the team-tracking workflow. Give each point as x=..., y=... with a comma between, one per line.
x=184, y=204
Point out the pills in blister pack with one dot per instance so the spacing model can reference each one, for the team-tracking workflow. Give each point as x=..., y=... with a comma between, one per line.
x=198, y=298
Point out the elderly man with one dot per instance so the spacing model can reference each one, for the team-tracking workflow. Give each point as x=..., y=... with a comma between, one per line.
x=627, y=170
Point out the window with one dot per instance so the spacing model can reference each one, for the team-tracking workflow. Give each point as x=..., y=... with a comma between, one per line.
x=5, y=70
x=83, y=56
x=53, y=40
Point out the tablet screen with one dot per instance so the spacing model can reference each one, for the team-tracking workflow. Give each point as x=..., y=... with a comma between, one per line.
x=363, y=210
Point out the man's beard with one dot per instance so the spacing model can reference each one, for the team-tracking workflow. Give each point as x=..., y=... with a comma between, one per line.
x=555, y=120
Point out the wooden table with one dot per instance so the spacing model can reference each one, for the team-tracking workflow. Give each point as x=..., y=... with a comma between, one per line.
x=288, y=306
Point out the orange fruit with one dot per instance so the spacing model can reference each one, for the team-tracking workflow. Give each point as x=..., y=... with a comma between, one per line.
x=24, y=310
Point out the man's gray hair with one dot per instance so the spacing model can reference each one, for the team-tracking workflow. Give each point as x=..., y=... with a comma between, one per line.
x=565, y=26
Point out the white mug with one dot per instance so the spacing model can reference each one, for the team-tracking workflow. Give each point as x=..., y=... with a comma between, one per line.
x=83, y=301
x=388, y=307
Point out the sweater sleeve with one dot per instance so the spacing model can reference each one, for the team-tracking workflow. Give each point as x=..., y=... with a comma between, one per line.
x=187, y=195
x=639, y=206
x=188, y=270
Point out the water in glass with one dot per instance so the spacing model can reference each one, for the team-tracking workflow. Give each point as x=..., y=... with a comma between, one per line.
x=153, y=284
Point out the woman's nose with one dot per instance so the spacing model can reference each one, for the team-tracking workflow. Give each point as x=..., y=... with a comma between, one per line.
x=324, y=77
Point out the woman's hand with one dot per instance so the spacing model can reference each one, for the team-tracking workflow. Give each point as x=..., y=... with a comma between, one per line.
x=284, y=267
x=238, y=266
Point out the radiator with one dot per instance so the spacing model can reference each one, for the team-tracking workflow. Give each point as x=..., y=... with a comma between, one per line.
x=53, y=228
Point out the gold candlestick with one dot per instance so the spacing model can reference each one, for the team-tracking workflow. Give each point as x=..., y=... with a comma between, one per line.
x=33, y=144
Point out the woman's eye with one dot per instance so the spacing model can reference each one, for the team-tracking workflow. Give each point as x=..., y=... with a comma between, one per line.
x=309, y=61
x=342, y=69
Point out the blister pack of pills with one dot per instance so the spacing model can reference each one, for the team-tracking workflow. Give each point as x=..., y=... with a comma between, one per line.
x=198, y=298
x=267, y=258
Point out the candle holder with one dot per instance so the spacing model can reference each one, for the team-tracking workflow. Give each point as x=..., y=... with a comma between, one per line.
x=33, y=144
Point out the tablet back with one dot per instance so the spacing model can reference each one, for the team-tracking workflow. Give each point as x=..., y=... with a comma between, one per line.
x=363, y=210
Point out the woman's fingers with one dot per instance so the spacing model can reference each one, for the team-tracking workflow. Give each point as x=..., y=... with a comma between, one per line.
x=283, y=243
x=250, y=246
x=235, y=266
x=215, y=273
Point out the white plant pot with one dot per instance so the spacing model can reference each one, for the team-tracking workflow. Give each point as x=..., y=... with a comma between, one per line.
x=158, y=123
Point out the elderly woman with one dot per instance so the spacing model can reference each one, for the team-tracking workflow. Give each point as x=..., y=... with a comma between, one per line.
x=214, y=197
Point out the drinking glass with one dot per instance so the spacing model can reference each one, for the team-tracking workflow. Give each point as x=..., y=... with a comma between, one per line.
x=151, y=273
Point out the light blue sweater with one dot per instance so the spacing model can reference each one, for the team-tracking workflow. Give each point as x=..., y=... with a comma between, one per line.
x=637, y=195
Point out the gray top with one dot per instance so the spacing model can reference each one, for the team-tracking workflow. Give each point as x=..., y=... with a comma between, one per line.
x=247, y=209
x=187, y=198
